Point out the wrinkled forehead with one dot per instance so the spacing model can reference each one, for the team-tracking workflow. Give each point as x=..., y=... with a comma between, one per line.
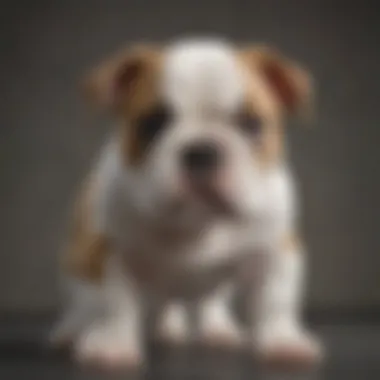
x=203, y=77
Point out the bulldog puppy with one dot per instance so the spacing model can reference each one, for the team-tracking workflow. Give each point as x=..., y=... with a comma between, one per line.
x=192, y=186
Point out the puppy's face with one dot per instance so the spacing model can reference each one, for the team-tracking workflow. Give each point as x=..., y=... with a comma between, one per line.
x=201, y=123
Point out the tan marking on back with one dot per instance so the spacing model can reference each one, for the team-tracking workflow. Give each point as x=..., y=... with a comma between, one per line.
x=86, y=252
x=291, y=243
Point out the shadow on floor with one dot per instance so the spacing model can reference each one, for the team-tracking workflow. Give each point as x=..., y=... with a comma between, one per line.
x=353, y=353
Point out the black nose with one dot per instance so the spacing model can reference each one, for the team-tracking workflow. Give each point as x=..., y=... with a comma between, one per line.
x=201, y=157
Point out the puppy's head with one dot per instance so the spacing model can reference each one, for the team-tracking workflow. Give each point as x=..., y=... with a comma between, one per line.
x=201, y=122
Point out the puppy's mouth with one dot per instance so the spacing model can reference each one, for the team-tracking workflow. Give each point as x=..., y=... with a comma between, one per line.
x=212, y=197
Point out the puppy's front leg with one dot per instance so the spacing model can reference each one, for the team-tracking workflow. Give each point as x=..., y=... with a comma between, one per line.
x=172, y=324
x=278, y=331
x=117, y=339
x=216, y=324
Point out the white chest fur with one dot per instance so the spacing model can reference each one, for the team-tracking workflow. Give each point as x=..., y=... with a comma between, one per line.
x=190, y=264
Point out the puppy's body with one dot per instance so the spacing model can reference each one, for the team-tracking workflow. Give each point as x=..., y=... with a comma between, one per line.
x=181, y=202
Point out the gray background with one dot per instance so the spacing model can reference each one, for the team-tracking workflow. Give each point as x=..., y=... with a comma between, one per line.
x=48, y=138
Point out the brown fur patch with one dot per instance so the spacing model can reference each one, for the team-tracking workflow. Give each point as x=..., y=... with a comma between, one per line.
x=138, y=100
x=291, y=242
x=290, y=84
x=276, y=87
x=126, y=85
x=86, y=251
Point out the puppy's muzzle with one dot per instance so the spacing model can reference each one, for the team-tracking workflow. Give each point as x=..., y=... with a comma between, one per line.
x=203, y=165
x=201, y=160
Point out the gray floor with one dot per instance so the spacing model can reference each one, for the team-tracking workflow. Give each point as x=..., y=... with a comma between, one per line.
x=353, y=353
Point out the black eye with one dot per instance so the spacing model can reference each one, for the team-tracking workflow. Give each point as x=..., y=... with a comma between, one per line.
x=152, y=124
x=249, y=123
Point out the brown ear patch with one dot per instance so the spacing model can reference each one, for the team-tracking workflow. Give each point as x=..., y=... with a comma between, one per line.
x=290, y=84
x=113, y=84
x=127, y=86
x=276, y=87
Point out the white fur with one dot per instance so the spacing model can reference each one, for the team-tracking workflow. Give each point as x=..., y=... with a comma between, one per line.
x=133, y=207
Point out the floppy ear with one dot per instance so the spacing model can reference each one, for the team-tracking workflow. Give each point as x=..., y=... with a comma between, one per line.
x=290, y=83
x=110, y=84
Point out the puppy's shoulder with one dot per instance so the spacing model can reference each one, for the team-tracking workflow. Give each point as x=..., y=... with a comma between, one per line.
x=87, y=246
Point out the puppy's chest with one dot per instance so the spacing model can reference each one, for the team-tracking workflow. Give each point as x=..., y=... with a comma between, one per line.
x=186, y=268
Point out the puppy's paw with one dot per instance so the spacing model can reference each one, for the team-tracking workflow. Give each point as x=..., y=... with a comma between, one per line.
x=109, y=347
x=173, y=332
x=173, y=326
x=220, y=335
x=291, y=353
